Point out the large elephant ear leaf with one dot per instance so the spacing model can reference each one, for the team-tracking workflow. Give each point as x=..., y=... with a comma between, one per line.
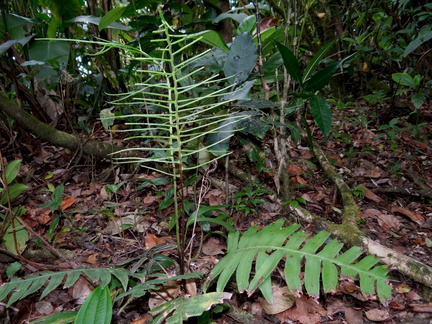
x=241, y=59
x=218, y=140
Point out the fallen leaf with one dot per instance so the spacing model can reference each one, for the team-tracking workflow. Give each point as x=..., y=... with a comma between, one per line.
x=294, y=170
x=422, y=308
x=403, y=288
x=151, y=241
x=44, y=307
x=283, y=299
x=371, y=196
x=67, y=202
x=92, y=259
x=414, y=217
x=80, y=290
x=213, y=247
x=149, y=200
x=353, y=316
x=388, y=221
x=377, y=315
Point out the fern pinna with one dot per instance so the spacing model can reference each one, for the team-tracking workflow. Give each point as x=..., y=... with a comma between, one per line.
x=267, y=247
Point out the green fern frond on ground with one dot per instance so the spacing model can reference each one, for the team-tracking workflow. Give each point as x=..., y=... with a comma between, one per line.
x=260, y=252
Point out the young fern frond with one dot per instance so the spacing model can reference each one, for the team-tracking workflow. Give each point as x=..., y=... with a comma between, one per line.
x=268, y=247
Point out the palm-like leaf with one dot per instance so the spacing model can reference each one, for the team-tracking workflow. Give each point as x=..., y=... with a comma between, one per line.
x=323, y=262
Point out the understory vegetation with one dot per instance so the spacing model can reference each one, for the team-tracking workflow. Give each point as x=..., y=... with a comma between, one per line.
x=215, y=161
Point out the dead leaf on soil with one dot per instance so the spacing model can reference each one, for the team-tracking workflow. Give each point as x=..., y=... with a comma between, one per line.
x=152, y=240
x=170, y=290
x=377, y=315
x=92, y=259
x=414, y=217
x=371, y=196
x=67, y=202
x=353, y=316
x=306, y=311
x=389, y=222
x=213, y=247
x=80, y=290
x=283, y=299
x=422, y=308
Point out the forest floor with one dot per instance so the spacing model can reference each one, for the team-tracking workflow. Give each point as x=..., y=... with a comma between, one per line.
x=110, y=213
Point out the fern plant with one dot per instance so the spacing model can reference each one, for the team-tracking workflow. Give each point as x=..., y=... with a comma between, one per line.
x=273, y=243
x=181, y=120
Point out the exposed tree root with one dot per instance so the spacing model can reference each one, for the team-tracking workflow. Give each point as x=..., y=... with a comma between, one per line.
x=410, y=267
x=48, y=133
x=405, y=191
x=349, y=231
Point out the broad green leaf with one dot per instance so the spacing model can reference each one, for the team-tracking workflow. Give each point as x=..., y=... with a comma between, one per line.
x=248, y=25
x=8, y=44
x=41, y=50
x=321, y=78
x=21, y=235
x=12, y=171
x=14, y=191
x=418, y=99
x=97, y=308
x=96, y=21
x=228, y=15
x=218, y=141
x=315, y=61
x=212, y=38
x=111, y=16
x=13, y=268
x=241, y=59
x=55, y=280
x=291, y=63
x=56, y=318
x=403, y=79
x=322, y=114
x=107, y=118
x=185, y=308
x=16, y=25
x=413, y=45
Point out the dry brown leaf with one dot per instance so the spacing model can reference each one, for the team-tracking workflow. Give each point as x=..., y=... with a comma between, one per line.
x=353, y=316
x=283, y=299
x=80, y=290
x=414, y=217
x=294, y=170
x=149, y=200
x=389, y=222
x=45, y=218
x=142, y=320
x=44, y=307
x=170, y=290
x=92, y=259
x=191, y=287
x=306, y=311
x=422, y=308
x=371, y=196
x=213, y=247
x=377, y=315
x=151, y=240
x=67, y=202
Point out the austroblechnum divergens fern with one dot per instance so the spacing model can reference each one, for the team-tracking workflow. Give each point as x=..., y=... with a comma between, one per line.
x=260, y=252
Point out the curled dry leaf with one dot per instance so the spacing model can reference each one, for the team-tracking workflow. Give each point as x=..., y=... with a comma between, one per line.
x=283, y=299
x=213, y=247
x=377, y=315
x=414, y=217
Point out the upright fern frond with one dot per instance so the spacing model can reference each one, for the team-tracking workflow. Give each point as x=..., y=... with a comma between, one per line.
x=322, y=262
